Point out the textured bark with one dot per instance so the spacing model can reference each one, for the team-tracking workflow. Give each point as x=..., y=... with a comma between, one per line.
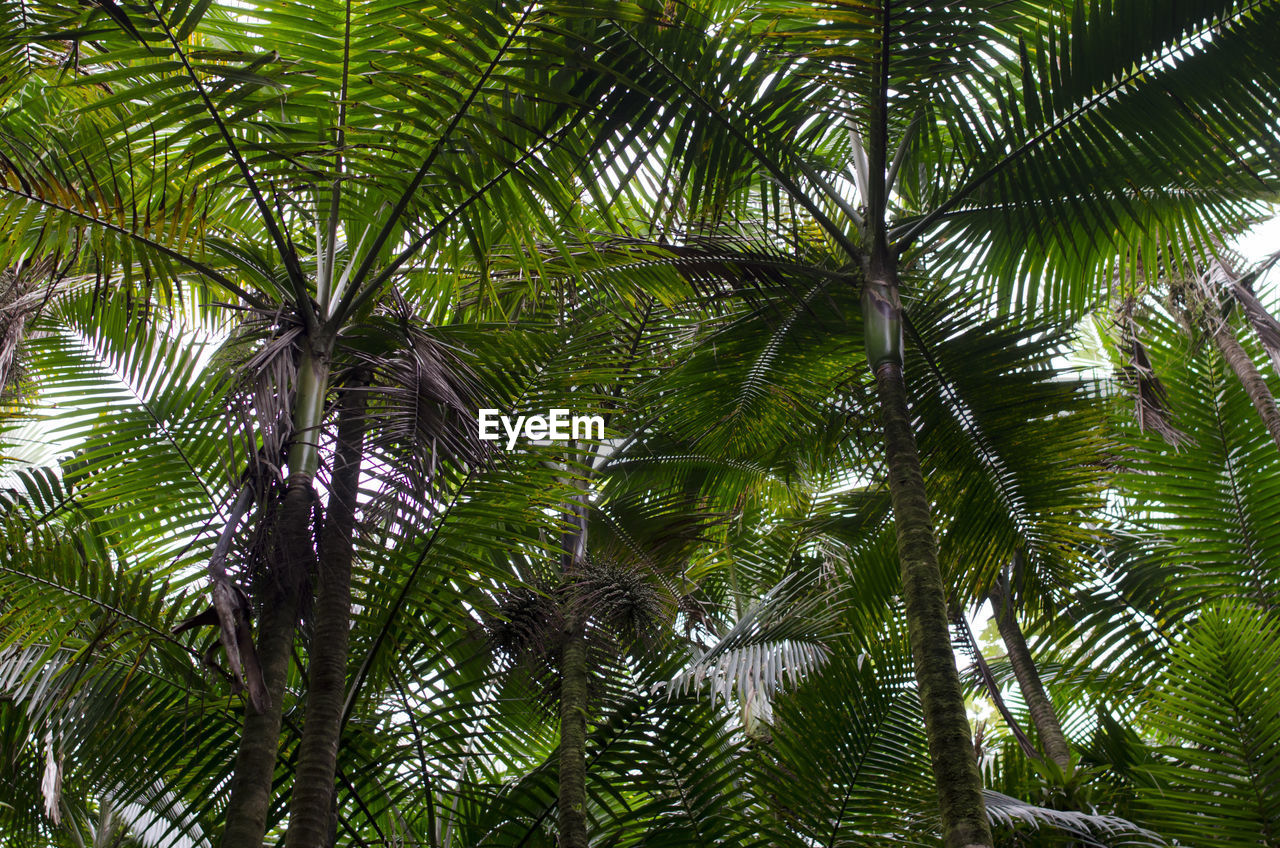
x=279, y=592
x=573, y=736
x=1247, y=373
x=311, y=804
x=1052, y=739
x=955, y=769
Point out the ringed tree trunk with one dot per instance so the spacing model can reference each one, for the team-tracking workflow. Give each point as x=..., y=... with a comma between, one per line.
x=311, y=813
x=574, y=692
x=1052, y=739
x=955, y=768
x=575, y=683
x=291, y=558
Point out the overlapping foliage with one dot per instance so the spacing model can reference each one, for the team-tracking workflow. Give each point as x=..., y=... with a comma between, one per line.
x=656, y=213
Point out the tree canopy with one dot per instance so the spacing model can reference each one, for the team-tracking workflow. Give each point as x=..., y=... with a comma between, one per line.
x=823, y=273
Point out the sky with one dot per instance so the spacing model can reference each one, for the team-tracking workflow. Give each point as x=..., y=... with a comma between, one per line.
x=1256, y=245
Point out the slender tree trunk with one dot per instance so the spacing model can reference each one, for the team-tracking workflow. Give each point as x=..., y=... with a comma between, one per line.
x=311, y=805
x=964, y=817
x=279, y=590
x=1052, y=739
x=574, y=690
x=1247, y=373
x=955, y=768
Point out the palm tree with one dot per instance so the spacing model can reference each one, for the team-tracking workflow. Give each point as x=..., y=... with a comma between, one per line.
x=392, y=160
x=678, y=763
x=305, y=202
x=1209, y=291
x=154, y=388
x=914, y=136
x=1182, y=588
x=1039, y=705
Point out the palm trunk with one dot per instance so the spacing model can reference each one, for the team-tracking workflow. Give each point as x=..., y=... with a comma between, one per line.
x=1052, y=739
x=279, y=596
x=1265, y=327
x=279, y=592
x=573, y=735
x=1247, y=373
x=575, y=686
x=311, y=820
x=955, y=768
x=964, y=817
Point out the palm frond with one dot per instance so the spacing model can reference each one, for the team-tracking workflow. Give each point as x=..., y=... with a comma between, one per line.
x=1218, y=711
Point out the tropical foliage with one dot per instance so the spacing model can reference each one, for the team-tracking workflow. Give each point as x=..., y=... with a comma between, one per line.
x=819, y=271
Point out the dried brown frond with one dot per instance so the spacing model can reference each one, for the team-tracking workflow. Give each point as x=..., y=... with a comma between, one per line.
x=1151, y=399
x=23, y=292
